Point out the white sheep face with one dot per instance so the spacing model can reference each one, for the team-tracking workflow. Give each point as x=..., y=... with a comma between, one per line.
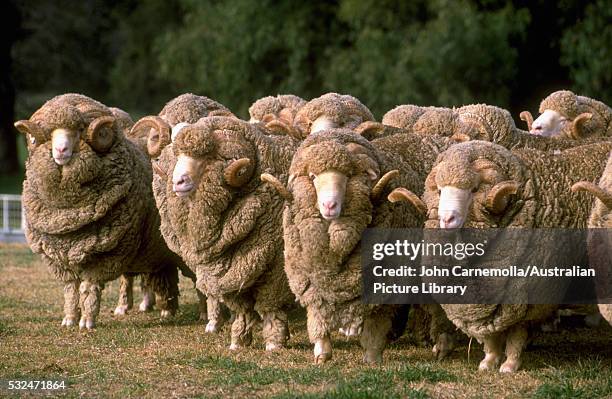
x=186, y=175
x=453, y=206
x=331, y=189
x=549, y=124
x=322, y=123
x=63, y=142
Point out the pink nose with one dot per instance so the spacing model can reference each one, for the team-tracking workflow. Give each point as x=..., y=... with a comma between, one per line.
x=448, y=219
x=61, y=150
x=330, y=205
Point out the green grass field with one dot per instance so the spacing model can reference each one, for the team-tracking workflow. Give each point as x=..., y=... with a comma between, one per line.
x=140, y=356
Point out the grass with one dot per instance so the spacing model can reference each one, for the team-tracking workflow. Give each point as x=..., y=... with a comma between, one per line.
x=141, y=356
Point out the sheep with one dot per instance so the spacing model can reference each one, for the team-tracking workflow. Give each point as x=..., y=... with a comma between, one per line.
x=479, y=184
x=600, y=243
x=283, y=106
x=565, y=114
x=331, y=110
x=337, y=187
x=89, y=207
x=157, y=133
x=405, y=116
x=226, y=224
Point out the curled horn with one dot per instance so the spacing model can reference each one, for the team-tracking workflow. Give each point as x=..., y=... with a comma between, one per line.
x=158, y=138
x=100, y=133
x=221, y=112
x=280, y=187
x=369, y=129
x=238, y=172
x=34, y=134
x=278, y=125
x=378, y=189
x=403, y=194
x=594, y=189
x=577, y=131
x=497, y=199
x=527, y=117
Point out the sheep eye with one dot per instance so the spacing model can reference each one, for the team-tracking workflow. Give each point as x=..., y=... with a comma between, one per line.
x=475, y=189
x=312, y=176
x=32, y=139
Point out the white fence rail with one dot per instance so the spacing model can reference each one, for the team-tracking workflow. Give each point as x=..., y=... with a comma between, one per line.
x=12, y=219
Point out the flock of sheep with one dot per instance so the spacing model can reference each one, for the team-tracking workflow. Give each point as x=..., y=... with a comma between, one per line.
x=266, y=212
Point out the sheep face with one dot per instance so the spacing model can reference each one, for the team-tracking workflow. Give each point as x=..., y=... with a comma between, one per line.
x=64, y=142
x=549, y=124
x=471, y=186
x=204, y=154
x=327, y=175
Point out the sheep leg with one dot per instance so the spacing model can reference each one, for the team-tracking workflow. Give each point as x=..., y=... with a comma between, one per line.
x=165, y=285
x=203, y=309
x=493, y=352
x=352, y=329
x=242, y=329
x=71, y=303
x=148, y=296
x=374, y=337
x=215, y=315
x=515, y=343
x=90, y=294
x=126, y=295
x=275, y=329
x=318, y=333
x=441, y=331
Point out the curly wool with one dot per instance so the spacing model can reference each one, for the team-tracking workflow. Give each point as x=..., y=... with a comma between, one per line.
x=404, y=116
x=271, y=105
x=189, y=108
x=570, y=105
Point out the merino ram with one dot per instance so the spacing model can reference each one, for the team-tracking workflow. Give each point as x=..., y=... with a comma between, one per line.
x=483, y=185
x=226, y=223
x=89, y=207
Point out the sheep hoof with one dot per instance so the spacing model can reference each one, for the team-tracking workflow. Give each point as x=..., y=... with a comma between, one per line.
x=234, y=346
x=444, y=346
x=272, y=346
x=487, y=364
x=145, y=306
x=166, y=314
x=86, y=323
x=322, y=350
x=372, y=357
x=212, y=326
x=82, y=323
x=121, y=310
x=69, y=321
x=510, y=366
x=322, y=358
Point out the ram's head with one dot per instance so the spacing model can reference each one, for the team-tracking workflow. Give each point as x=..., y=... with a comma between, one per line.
x=474, y=184
x=329, y=111
x=213, y=154
x=64, y=128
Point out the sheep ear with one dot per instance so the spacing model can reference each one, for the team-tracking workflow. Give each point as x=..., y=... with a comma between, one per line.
x=291, y=178
x=278, y=125
x=158, y=170
x=578, y=125
x=403, y=194
x=527, y=117
x=601, y=194
x=33, y=133
x=379, y=187
x=158, y=133
x=280, y=187
x=370, y=130
x=498, y=197
x=238, y=172
x=372, y=173
x=101, y=133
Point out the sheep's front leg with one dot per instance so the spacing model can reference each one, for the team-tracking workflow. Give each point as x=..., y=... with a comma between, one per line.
x=202, y=308
x=90, y=294
x=515, y=343
x=493, y=352
x=215, y=315
x=275, y=330
x=126, y=295
x=242, y=329
x=352, y=329
x=71, y=303
x=374, y=339
x=318, y=333
x=148, y=296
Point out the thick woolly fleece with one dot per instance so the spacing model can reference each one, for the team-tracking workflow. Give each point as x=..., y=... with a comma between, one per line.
x=231, y=236
x=543, y=199
x=405, y=116
x=344, y=111
x=94, y=218
x=322, y=258
x=271, y=105
x=570, y=105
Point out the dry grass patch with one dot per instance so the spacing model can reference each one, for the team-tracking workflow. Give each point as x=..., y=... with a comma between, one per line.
x=141, y=356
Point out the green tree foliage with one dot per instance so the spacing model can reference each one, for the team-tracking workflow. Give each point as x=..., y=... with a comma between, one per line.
x=586, y=49
x=437, y=52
